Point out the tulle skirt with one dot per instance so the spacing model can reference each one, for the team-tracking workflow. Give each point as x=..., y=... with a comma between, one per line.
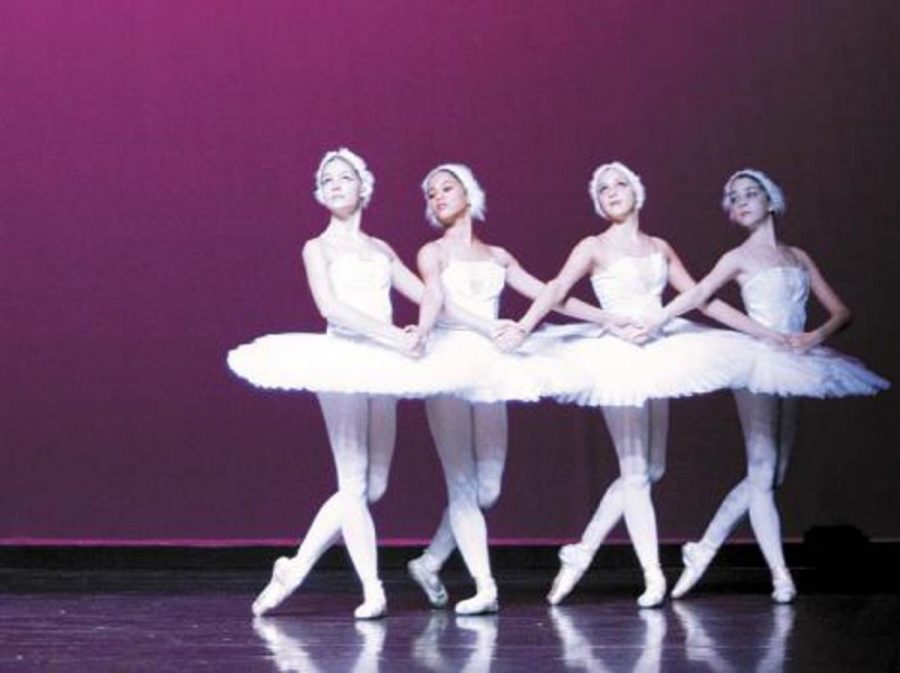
x=456, y=362
x=569, y=363
x=686, y=359
x=821, y=372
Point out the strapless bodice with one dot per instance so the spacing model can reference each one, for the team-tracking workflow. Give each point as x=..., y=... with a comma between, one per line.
x=632, y=286
x=474, y=286
x=776, y=297
x=363, y=282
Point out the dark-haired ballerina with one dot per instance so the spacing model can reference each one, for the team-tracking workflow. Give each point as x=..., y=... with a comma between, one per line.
x=775, y=281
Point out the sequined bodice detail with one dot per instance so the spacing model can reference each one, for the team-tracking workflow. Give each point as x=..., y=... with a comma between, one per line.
x=474, y=286
x=776, y=297
x=363, y=282
x=632, y=286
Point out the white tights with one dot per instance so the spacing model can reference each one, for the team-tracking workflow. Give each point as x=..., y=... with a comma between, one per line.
x=362, y=431
x=471, y=441
x=639, y=435
x=769, y=425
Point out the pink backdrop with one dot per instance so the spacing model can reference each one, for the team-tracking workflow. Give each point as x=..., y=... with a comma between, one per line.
x=156, y=179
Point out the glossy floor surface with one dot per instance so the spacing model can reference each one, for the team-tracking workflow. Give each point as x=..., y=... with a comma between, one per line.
x=200, y=621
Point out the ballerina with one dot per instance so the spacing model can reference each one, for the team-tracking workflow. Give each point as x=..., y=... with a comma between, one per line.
x=350, y=275
x=631, y=382
x=775, y=281
x=471, y=436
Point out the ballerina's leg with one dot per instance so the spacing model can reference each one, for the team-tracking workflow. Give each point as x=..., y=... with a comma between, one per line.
x=697, y=556
x=639, y=435
x=451, y=423
x=761, y=423
x=347, y=421
x=490, y=437
x=576, y=558
x=630, y=428
x=491, y=440
x=326, y=527
x=658, y=437
x=340, y=411
x=382, y=440
x=425, y=568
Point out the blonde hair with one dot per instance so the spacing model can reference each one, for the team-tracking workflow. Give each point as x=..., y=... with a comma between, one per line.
x=356, y=162
x=640, y=194
x=466, y=178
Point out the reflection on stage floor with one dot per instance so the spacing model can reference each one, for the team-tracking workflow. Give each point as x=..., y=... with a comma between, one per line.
x=190, y=620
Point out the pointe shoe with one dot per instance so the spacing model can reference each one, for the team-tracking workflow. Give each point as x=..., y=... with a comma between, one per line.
x=783, y=589
x=484, y=602
x=655, y=591
x=429, y=581
x=696, y=557
x=375, y=604
x=287, y=575
x=574, y=562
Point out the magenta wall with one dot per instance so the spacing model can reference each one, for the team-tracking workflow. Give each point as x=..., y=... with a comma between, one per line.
x=156, y=179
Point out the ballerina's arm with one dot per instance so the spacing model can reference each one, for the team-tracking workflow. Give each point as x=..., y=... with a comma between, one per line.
x=530, y=286
x=428, y=262
x=411, y=286
x=340, y=313
x=838, y=314
x=403, y=279
x=695, y=295
x=577, y=265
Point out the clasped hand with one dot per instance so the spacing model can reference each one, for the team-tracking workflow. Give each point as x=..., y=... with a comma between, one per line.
x=507, y=335
x=412, y=342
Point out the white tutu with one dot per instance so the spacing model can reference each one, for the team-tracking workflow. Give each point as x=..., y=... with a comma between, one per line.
x=776, y=297
x=822, y=372
x=339, y=364
x=456, y=362
x=687, y=359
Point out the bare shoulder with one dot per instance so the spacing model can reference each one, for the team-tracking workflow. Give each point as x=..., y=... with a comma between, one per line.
x=500, y=255
x=661, y=245
x=431, y=249
x=382, y=247
x=431, y=255
x=734, y=259
x=736, y=254
x=312, y=247
x=799, y=253
x=802, y=257
x=589, y=245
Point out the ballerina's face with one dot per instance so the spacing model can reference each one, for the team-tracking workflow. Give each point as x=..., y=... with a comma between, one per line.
x=446, y=197
x=615, y=194
x=749, y=203
x=341, y=187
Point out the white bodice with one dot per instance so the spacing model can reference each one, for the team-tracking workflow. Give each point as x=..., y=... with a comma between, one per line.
x=363, y=282
x=632, y=286
x=776, y=297
x=474, y=286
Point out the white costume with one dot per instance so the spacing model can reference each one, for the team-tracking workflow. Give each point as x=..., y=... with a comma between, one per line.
x=340, y=361
x=688, y=359
x=471, y=438
x=361, y=431
x=775, y=297
x=457, y=361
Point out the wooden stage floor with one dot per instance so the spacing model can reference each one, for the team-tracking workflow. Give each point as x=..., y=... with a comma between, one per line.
x=190, y=620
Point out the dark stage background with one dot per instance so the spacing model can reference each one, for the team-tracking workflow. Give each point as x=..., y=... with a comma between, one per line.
x=156, y=186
